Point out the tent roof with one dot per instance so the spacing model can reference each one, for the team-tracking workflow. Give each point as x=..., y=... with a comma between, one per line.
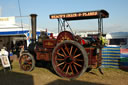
x=12, y=29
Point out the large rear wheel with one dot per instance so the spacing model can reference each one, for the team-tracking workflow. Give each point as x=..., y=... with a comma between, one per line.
x=27, y=62
x=69, y=59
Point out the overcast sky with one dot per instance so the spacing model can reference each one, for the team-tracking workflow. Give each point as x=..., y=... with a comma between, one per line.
x=117, y=21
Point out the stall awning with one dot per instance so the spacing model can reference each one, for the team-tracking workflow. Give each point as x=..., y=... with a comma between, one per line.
x=13, y=32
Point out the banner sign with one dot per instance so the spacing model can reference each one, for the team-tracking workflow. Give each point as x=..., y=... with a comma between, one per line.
x=81, y=15
x=71, y=15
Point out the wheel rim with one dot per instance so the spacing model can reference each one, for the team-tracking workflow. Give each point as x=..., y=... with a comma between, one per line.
x=26, y=62
x=69, y=59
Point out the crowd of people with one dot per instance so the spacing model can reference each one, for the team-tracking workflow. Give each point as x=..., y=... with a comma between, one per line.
x=12, y=49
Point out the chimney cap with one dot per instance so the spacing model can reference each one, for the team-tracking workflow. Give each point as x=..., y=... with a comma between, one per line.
x=33, y=15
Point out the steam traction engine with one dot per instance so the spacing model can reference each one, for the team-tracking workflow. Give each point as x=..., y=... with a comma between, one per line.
x=70, y=54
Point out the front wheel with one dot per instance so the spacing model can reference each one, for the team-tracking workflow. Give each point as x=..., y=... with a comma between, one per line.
x=27, y=62
x=69, y=59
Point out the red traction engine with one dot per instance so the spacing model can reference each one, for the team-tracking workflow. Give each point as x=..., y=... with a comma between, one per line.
x=69, y=54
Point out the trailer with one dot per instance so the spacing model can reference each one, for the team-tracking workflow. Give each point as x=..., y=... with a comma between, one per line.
x=117, y=39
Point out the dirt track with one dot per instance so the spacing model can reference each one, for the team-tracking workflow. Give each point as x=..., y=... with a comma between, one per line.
x=43, y=76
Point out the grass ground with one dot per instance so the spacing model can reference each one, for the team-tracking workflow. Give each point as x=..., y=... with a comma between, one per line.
x=43, y=76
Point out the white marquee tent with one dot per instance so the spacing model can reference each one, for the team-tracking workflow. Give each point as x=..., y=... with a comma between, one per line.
x=11, y=31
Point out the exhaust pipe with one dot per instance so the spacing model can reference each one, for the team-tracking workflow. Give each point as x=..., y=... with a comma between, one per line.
x=33, y=24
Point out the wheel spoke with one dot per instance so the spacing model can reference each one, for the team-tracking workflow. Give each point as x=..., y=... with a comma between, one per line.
x=67, y=70
x=60, y=54
x=66, y=48
x=79, y=60
x=24, y=66
x=63, y=51
x=77, y=64
x=59, y=59
x=71, y=50
x=60, y=64
x=28, y=59
x=64, y=67
x=25, y=57
x=75, y=51
x=77, y=55
x=75, y=68
x=29, y=63
x=71, y=68
x=28, y=67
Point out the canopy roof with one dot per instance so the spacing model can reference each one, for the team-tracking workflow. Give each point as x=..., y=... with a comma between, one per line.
x=81, y=15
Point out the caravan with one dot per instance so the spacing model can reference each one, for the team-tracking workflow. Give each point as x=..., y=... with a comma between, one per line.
x=117, y=39
x=115, y=54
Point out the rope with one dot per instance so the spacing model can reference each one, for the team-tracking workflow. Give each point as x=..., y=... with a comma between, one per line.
x=20, y=16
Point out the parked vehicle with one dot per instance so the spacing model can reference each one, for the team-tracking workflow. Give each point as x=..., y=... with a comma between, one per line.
x=117, y=39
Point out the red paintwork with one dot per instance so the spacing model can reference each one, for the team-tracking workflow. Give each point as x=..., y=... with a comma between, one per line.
x=43, y=56
x=49, y=43
x=44, y=52
x=93, y=60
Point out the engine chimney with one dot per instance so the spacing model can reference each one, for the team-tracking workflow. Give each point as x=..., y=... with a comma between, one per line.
x=33, y=24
